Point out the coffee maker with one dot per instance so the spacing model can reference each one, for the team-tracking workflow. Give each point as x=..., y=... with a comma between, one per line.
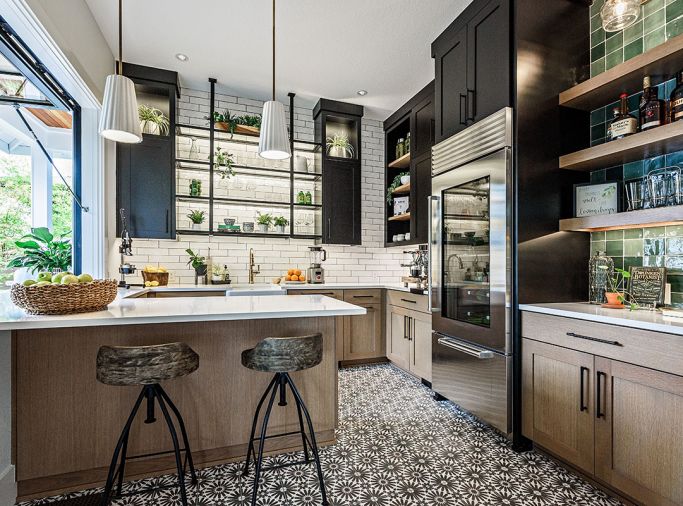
x=316, y=274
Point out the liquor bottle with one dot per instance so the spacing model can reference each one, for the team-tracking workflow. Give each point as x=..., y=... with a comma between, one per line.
x=676, y=104
x=624, y=124
x=652, y=111
x=615, y=117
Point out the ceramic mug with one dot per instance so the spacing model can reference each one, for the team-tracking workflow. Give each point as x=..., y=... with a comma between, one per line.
x=401, y=237
x=248, y=226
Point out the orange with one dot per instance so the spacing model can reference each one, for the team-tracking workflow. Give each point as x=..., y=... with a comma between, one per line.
x=302, y=278
x=297, y=272
x=288, y=278
x=290, y=272
x=295, y=278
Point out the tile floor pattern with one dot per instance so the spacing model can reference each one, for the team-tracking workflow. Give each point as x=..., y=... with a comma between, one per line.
x=396, y=447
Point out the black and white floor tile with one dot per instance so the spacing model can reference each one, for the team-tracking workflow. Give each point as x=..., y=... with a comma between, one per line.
x=396, y=447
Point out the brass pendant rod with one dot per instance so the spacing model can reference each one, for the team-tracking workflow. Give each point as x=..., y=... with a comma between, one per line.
x=273, y=50
x=119, y=64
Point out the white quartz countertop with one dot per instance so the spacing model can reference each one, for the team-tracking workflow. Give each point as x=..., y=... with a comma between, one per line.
x=640, y=319
x=129, y=311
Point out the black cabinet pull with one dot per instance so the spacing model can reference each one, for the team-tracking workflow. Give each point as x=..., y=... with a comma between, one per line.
x=463, y=97
x=410, y=327
x=405, y=327
x=363, y=296
x=599, y=413
x=582, y=402
x=595, y=339
x=471, y=103
x=167, y=221
x=410, y=301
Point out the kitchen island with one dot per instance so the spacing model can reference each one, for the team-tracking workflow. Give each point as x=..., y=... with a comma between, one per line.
x=65, y=424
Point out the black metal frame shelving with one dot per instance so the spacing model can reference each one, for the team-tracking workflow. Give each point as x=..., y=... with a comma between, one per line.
x=214, y=136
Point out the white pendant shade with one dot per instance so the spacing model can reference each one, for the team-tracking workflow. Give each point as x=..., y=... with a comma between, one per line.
x=120, y=121
x=274, y=141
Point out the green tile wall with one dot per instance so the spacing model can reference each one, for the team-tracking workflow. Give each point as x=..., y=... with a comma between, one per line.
x=649, y=247
x=660, y=20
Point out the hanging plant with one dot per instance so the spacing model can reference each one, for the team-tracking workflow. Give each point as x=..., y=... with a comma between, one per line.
x=395, y=184
x=224, y=162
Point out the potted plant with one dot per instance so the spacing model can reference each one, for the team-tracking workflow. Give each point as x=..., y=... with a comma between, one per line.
x=224, y=162
x=398, y=181
x=339, y=146
x=195, y=188
x=42, y=252
x=152, y=120
x=280, y=223
x=264, y=221
x=617, y=294
x=197, y=217
x=197, y=262
x=246, y=125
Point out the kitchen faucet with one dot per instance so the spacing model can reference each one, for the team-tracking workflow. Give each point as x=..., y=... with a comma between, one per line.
x=252, y=272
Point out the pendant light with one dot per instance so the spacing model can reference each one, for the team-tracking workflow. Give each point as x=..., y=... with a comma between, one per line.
x=619, y=14
x=119, y=121
x=274, y=141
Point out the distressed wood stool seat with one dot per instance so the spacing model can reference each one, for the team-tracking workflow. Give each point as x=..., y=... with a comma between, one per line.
x=147, y=366
x=282, y=355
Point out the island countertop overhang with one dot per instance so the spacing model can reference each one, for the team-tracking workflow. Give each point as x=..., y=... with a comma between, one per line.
x=131, y=311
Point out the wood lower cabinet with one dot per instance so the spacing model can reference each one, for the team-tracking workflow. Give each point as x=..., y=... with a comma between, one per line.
x=409, y=340
x=363, y=334
x=421, y=345
x=557, y=409
x=398, y=346
x=638, y=424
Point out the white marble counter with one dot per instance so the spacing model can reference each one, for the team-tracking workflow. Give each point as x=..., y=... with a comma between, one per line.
x=640, y=319
x=129, y=311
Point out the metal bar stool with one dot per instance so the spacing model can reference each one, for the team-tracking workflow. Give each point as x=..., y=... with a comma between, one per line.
x=147, y=366
x=282, y=355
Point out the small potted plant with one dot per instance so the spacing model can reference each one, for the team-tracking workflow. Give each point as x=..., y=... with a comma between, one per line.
x=339, y=146
x=152, y=120
x=264, y=221
x=197, y=262
x=224, y=162
x=398, y=181
x=197, y=217
x=280, y=223
x=617, y=294
x=195, y=188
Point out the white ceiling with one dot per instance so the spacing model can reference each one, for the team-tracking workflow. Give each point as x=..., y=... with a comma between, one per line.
x=325, y=48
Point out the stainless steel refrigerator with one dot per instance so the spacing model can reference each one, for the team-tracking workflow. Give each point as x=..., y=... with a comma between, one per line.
x=471, y=269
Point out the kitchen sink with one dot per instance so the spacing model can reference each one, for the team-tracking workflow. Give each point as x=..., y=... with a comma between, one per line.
x=253, y=290
x=230, y=291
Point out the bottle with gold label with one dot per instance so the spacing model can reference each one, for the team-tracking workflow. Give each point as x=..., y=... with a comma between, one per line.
x=676, y=104
x=624, y=124
x=652, y=111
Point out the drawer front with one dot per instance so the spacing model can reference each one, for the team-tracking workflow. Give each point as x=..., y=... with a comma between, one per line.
x=656, y=350
x=369, y=296
x=335, y=294
x=408, y=300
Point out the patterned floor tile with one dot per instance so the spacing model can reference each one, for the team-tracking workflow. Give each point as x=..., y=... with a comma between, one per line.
x=396, y=446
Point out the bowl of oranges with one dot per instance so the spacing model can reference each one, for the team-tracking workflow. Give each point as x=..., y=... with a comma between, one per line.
x=294, y=277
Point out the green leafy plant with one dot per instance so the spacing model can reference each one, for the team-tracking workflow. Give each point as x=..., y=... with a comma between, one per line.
x=340, y=142
x=264, y=219
x=154, y=116
x=232, y=121
x=252, y=120
x=196, y=216
x=42, y=252
x=224, y=161
x=618, y=284
x=195, y=260
x=395, y=184
x=280, y=221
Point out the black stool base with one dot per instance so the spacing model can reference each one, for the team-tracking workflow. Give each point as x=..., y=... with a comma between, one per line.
x=280, y=382
x=151, y=393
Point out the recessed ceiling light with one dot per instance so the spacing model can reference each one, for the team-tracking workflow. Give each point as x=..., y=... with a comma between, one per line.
x=362, y=93
x=182, y=57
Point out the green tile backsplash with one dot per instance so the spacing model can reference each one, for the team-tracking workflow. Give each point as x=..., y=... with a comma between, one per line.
x=660, y=21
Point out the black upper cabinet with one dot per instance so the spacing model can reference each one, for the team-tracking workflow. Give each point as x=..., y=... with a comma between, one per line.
x=145, y=172
x=341, y=171
x=473, y=67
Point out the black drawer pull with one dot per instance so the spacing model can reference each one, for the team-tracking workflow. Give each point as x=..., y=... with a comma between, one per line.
x=596, y=339
x=410, y=301
x=582, y=403
x=363, y=296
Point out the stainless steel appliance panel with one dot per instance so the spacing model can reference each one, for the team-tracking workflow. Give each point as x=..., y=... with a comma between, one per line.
x=476, y=379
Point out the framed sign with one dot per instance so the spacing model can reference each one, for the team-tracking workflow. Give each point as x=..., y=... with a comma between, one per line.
x=595, y=199
x=646, y=285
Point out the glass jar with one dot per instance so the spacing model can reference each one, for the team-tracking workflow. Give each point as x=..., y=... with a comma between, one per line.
x=301, y=198
x=194, y=150
x=308, y=198
x=407, y=144
x=400, y=148
x=600, y=271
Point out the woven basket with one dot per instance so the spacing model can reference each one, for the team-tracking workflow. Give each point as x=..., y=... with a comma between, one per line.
x=64, y=299
x=161, y=277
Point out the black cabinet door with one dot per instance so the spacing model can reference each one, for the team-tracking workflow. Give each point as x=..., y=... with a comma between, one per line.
x=422, y=127
x=145, y=187
x=451, y=85
x=488, y=61
x=341, y=202
x=421, y=173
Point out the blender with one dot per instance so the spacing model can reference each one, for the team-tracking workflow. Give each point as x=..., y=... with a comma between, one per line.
x=316, y=274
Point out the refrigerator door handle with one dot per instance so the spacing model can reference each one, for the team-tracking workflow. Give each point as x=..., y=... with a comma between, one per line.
x=463, y=348
x=434, y=239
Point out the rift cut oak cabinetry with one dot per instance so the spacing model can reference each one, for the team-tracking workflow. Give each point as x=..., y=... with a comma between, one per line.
x=473, y=67
x=409, y=333
x=612, y=407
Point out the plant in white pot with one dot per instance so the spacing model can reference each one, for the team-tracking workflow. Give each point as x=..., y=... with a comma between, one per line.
x=339, y=146
x=264, y=221
x=152, y=120
x=280, y=223
x=197, y=217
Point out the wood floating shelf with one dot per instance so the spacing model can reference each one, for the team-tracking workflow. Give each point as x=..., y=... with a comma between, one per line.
x=401, y=190
x=661, y=62
x=661, y=140
x=401, y=163
x=644, y=218
x=400, y=217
